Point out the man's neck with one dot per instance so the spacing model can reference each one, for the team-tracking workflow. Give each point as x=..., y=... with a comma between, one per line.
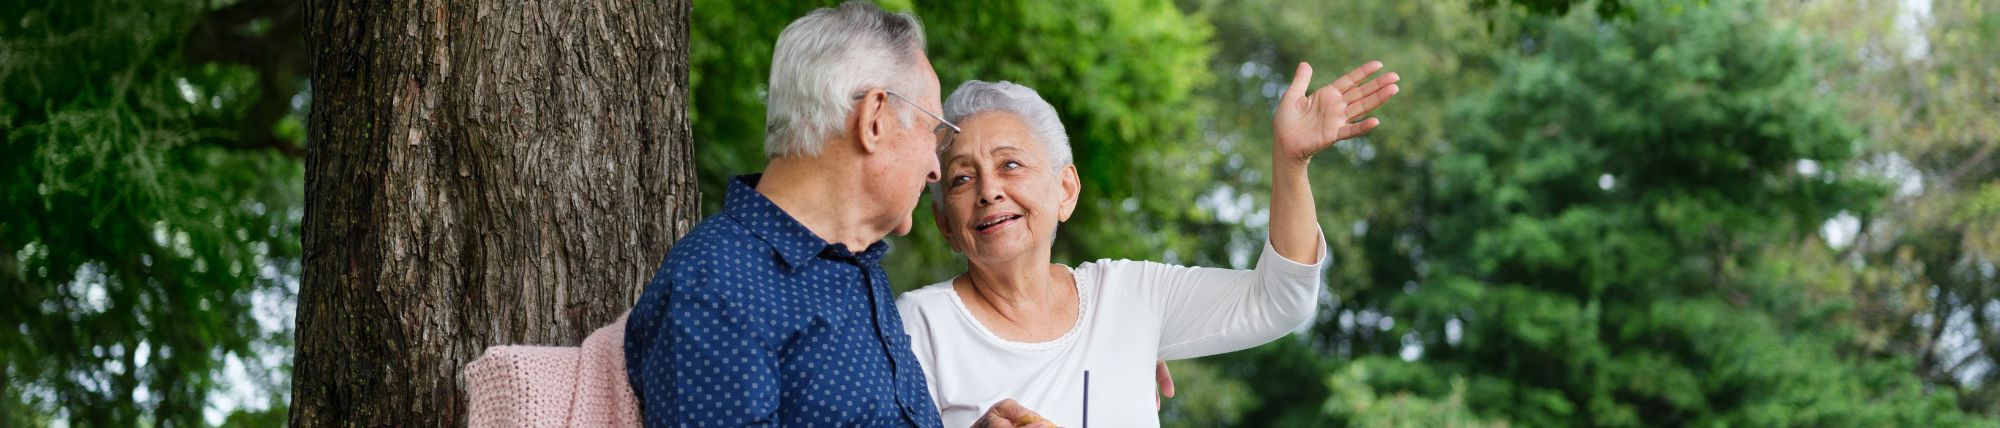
x=824, y=199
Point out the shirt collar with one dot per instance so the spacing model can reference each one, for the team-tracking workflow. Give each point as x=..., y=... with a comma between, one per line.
x=794, y=243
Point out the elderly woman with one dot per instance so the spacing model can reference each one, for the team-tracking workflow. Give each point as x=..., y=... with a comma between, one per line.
x=1078, y=344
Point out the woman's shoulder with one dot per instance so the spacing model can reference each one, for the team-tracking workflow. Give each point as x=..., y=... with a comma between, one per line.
x=1116, y=269
x=1114, y=276
x=934, y=296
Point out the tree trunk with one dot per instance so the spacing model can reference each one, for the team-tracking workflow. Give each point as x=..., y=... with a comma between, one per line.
x=479, y=173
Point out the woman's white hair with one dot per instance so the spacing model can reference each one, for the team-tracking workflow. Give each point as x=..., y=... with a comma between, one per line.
x=825, y=60
x=975, y=97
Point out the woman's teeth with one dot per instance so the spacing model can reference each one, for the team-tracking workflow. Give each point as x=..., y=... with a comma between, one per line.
x=995, y=222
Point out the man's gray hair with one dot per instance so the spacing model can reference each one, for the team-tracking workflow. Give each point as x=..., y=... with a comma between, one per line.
x=976, y=97
x=825, y=60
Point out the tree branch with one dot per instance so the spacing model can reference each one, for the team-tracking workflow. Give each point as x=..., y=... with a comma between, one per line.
x=277, y=54
x=1975, y=160
x=289, y=148
x=223, y=35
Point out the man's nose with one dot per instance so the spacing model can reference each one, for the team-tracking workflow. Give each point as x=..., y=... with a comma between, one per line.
x=934, y=176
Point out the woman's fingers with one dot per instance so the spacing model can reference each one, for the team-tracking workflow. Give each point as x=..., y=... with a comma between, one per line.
x=1365, y=105
x=1009, y=414
x=1355, y=76
x=991, y=420
x=1325, y=116
x=1357, y=129
x=1372, y=86
x=1300, y=79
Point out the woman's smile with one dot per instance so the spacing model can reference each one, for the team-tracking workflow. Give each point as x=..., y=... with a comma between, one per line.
x=994, y=223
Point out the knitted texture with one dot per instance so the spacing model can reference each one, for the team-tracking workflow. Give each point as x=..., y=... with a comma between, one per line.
x=554, y=386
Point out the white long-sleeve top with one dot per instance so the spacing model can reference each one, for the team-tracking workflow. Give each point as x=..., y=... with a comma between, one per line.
x=1131, y=314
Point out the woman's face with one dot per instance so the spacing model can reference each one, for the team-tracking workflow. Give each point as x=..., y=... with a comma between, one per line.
x=1003, y=196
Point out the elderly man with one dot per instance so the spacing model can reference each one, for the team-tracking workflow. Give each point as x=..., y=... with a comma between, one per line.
x=776, y=311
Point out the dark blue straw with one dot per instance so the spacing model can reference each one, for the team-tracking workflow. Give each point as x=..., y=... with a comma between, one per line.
x=1086, y=399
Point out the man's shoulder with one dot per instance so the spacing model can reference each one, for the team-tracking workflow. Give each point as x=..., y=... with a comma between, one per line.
x=718, y=236
x=717, y=248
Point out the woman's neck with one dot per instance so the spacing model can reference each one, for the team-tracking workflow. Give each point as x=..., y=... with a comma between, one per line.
x=1014, y=286
x=1023, y=303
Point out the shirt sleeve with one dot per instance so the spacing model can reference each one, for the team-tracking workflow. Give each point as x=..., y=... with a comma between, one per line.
x=1208, y=311
x=710, y=363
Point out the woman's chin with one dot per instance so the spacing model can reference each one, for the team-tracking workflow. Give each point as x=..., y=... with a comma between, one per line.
x=998, y=248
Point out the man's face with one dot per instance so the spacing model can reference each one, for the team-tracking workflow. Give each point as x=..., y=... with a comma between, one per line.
x=908, y=159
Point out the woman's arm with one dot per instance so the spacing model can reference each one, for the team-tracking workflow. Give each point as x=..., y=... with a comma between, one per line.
x=1208, y=311
x=1303, y=126
x=1205, y=311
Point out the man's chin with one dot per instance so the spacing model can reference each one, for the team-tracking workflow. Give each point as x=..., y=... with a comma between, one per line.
x=902, y=229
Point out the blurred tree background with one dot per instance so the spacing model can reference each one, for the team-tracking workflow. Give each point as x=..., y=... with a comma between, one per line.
x=1720, y=212
x=151, y=159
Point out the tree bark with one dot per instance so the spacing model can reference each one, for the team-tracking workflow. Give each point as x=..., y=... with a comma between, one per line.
x=479, y=173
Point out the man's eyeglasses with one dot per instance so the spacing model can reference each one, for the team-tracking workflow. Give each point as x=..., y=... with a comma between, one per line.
x=945, y=130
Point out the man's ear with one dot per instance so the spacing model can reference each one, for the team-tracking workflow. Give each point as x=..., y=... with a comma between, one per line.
x=870, y=115
x=1072, y=187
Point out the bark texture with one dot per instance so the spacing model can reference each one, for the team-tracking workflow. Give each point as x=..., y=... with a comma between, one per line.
x=479, y=173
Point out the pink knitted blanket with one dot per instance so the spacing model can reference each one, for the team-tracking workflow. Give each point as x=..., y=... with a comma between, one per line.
x=554, y=386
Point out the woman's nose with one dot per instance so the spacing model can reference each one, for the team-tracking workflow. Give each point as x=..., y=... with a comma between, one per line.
x=990, y=193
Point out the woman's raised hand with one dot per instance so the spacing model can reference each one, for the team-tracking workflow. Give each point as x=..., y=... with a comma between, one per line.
x=1306, y=124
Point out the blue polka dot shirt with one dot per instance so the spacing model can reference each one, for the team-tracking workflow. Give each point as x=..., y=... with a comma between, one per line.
x=754, y=320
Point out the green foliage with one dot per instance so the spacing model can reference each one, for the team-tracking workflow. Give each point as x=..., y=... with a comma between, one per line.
x=1922, y=272
x=133, y=242
x=1607, y=8
x=1484, y=252
x=1615, y=226
x=1282, y=379
x=1233, y=395
x=1356, y=404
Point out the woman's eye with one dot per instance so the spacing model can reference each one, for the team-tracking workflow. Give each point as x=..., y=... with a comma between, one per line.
x=962, y=179
x=1011, y=165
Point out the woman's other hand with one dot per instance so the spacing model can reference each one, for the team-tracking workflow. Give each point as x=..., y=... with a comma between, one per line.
x=1011, y=414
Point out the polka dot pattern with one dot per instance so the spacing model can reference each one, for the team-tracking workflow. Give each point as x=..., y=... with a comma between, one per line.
x=754, y=320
